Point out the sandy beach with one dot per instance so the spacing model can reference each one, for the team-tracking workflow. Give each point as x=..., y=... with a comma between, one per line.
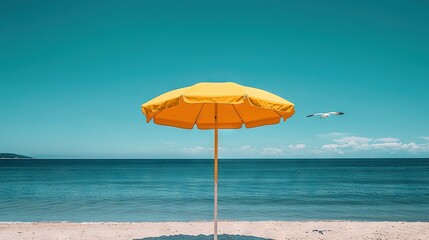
x=227, y=230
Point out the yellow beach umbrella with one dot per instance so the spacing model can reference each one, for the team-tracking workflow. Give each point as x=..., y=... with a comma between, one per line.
x=217, y=106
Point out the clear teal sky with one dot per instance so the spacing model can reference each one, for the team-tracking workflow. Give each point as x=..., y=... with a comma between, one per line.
x=73, y=75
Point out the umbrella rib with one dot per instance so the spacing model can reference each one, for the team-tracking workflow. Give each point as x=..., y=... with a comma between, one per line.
x=198, y=115
x=238, y=113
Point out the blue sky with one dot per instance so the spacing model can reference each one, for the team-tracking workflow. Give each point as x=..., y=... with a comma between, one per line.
x=73, y=75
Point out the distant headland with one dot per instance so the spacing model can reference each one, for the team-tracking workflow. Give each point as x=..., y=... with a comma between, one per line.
x=13, y=156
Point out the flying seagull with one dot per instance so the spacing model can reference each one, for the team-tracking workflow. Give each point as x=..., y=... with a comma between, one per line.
x=325, y=115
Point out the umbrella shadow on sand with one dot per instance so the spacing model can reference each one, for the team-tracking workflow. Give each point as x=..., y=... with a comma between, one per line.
x=204, y=237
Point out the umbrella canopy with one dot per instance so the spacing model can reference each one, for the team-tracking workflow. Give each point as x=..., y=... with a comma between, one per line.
x=237, y=105
x=217, y=106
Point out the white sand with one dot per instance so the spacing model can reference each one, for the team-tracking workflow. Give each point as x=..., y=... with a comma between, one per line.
x=263, y=230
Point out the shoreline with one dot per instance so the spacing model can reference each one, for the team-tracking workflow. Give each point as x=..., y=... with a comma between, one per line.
x=211, y=221
x=245, y=230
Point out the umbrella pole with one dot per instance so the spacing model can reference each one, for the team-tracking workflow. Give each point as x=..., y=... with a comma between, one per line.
x=215, y=171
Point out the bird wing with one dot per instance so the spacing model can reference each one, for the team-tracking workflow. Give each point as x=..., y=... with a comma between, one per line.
x=335, y=113
x=314, y=114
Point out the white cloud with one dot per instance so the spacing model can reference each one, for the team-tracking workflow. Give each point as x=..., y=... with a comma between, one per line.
x=220, y=149
x=352, y=139
x=196, y=149
x=272, y=151
x=387, y=140
x=426, y=138
x=332, y=148
x=412, y=147
x=354, y=143
x=245, y=148
x=201, y=150
x=299, y=146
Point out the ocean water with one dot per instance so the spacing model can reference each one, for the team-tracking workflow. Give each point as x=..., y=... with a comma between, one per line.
x=182, y=190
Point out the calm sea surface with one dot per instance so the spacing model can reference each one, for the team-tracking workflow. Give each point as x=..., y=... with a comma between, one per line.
x=182, y=190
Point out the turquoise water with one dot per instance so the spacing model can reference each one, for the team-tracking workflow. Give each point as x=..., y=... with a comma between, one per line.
x=182, y=190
